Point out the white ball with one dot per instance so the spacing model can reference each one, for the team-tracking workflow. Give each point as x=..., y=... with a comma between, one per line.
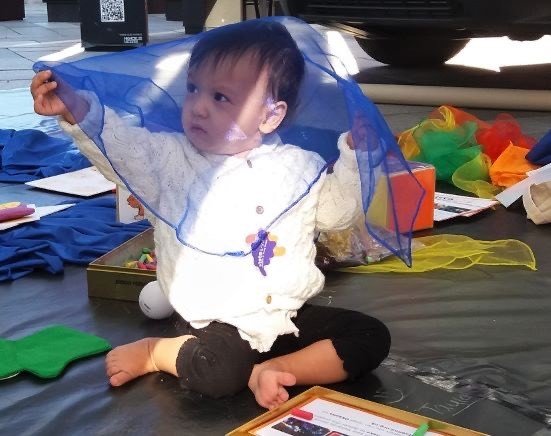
x=154, y=303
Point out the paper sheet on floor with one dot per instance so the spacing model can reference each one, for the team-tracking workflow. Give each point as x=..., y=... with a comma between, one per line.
x=86, y=182
x=39, y=212
x=448, y=206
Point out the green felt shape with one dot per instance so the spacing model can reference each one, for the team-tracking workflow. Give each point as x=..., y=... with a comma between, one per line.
x=47, y=352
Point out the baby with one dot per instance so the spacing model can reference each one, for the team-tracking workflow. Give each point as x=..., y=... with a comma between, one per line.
x=242, y=317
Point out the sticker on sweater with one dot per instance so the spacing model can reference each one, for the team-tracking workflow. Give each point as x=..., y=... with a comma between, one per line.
x=264, y=247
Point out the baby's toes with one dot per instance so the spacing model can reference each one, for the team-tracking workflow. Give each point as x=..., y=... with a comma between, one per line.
x=111, y=369
x=120, y=378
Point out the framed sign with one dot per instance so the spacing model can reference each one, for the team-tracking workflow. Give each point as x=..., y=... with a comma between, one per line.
x=324, y=412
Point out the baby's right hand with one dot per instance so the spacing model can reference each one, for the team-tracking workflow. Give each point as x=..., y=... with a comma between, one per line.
x=357, y=137
x=46, y=101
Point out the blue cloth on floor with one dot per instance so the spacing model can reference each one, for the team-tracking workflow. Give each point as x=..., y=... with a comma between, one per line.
x=540, y=154
x=31, y=154
x=79, y=234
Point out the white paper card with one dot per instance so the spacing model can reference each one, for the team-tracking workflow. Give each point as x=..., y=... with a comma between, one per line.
x=448, y=206
x=129, y=209
x=48, y=210
x=85, y=183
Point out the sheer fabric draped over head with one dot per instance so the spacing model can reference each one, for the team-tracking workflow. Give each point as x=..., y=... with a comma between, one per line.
x=148, y=88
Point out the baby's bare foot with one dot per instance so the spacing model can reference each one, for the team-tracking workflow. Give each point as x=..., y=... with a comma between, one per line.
x=130, y=361
x=267, y=385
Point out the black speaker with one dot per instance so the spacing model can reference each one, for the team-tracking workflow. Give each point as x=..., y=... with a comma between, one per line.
x=113, y=24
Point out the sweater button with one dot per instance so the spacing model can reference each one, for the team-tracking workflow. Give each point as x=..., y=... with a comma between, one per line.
x=259, y=210
x=269, y=299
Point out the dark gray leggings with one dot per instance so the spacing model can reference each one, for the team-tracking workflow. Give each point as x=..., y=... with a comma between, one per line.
x=219, y=363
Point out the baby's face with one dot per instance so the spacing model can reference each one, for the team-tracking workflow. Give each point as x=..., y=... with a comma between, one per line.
x=224, y=107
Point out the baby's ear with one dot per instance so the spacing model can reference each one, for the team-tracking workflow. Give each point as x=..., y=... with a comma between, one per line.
x=275, y=113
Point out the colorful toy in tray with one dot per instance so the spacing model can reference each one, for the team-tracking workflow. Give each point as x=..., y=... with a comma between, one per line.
x=147, y=260
x=474, y=155
x=14, y=210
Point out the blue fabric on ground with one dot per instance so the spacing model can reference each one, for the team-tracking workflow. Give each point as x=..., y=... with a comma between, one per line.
x=540, y=154
x=32, y=154
x=79, y=235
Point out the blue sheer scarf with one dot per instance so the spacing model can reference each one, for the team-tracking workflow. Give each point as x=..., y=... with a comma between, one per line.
x=147, y=87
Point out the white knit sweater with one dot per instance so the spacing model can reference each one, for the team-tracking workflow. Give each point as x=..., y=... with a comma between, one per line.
x=228, y=199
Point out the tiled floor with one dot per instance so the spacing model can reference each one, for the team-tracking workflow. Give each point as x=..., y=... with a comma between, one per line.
x=24, y=42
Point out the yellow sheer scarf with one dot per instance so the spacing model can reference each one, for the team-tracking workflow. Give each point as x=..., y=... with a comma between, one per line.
x=455, y=252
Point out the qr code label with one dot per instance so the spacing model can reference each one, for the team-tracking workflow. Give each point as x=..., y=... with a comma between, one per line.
x=112, y=11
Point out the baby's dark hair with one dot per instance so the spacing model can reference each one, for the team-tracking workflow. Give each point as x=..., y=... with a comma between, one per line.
x=269, y=42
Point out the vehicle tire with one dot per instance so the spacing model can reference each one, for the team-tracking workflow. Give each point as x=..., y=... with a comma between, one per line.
x=408, y=51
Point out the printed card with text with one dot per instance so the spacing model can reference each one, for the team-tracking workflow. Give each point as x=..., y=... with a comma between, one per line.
x=324, y=412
